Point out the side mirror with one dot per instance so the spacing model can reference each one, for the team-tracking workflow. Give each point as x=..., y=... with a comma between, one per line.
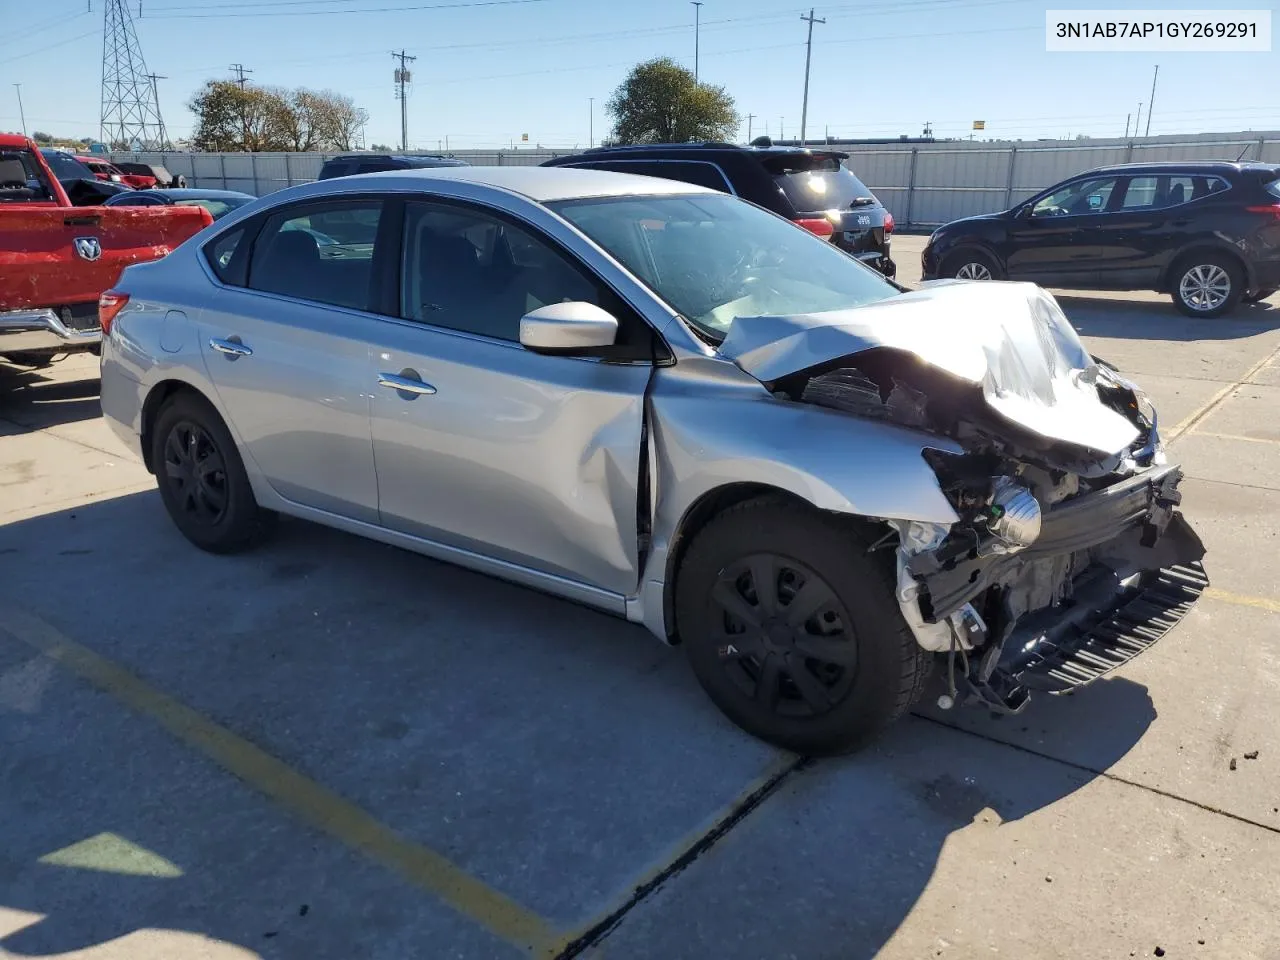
x=1023, y=212
x=569, y=328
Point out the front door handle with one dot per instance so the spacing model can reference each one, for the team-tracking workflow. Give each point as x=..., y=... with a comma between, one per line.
x=406, y=381
x=232, y=347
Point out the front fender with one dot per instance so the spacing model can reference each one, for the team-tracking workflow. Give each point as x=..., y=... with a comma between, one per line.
x=734, y=432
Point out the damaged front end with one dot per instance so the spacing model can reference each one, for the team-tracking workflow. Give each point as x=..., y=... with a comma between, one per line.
x=1069, y=557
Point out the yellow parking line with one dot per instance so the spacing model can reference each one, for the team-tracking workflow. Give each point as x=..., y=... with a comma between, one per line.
x=1261, y=603
x=318, y=806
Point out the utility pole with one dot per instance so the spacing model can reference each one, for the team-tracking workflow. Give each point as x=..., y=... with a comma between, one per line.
x=239, y=70
x=808, y=53
x=1138, y=122
x=697, y=28
x=1127, y=118
x=591, y=122
x=750, y=117
x=782, y=128
x=403, y=76
x=162, y=139
x=1151, y=104
x=22, y=113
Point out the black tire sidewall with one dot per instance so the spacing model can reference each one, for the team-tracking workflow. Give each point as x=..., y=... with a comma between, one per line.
x=835, y=554
x=1228, y=264
x=241, y=524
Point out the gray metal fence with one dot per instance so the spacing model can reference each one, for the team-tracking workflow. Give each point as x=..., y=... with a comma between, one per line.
x=922, y=184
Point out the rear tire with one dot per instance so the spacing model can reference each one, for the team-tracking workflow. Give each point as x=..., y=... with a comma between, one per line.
x=849, y=669
x=971, y=264
x=202, y=479
x=1206, y=285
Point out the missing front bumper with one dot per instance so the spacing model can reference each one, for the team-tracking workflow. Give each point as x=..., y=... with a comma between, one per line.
x=1118, y=609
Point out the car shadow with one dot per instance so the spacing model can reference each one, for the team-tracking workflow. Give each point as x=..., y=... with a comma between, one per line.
x=356, y=663
x=34, y=399
x=1143, y=320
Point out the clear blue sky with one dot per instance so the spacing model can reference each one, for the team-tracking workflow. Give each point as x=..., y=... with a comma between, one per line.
x=485, y=74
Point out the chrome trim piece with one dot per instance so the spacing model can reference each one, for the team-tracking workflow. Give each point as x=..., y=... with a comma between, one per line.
x=405, y=384
x=41, y=329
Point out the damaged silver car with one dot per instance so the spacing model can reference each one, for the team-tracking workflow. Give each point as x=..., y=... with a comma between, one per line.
x=676, y=407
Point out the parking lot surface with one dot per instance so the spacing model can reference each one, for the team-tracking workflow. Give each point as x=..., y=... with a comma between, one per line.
x=329, y=748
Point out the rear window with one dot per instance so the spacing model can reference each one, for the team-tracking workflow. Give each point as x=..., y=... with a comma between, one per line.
x=1273, y=188
x=21, y=179
x=814, y=183
x=65, y=167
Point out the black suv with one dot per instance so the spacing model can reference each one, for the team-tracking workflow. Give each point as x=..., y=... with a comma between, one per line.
x=351, y=163
x=1205, y=232
x=811, y=187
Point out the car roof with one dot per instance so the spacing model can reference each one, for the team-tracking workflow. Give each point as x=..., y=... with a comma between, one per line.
x=708, y=147
x=198, y=193
x=1166, y=166
x=540, y=184
x=418, y=158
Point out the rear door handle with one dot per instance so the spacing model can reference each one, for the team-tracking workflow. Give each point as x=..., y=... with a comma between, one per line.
x=407, y=381
x=232, y=347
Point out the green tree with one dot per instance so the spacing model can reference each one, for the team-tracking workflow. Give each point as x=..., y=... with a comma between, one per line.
x=230, y=117
x=40, y=137
x=660, y=102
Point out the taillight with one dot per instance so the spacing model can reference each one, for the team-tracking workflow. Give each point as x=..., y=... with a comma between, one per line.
x=819, y=226
x=1271, y=208
x=109, y=304
x=888, y=222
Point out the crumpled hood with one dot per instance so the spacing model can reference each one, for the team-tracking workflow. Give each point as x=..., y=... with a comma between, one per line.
x=1011, y=338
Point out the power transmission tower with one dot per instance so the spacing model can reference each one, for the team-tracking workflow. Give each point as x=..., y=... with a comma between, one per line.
x=239, y=70
x=808, y=51
x=130, y=111
x=403, y=76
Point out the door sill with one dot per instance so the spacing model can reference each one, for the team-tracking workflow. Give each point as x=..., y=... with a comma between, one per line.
x=595, y=597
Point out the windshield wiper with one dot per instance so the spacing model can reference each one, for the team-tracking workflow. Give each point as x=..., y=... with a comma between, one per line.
x=862, y=202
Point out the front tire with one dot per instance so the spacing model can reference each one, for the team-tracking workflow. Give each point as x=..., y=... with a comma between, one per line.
x=1207, y=285
x=202, y=479
x=971, y=265
x=793, y=630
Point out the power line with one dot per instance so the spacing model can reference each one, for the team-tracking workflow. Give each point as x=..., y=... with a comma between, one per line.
x=324, y=13
x=50, y=46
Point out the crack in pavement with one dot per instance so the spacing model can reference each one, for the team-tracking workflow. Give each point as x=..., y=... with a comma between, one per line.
x=738, y=812
x=1115, y=778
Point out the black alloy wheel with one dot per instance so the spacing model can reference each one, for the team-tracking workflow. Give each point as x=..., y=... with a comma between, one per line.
x=195, y=467
x=202, y=479
x=792, y=627
x=785, y=638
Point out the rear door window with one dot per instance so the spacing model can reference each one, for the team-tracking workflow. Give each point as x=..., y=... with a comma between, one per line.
x=813, y=183
x=320, y=251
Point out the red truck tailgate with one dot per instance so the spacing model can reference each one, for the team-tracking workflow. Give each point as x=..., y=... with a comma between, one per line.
x=51, y=256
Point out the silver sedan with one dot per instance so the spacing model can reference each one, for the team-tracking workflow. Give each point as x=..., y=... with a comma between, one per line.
x=674, y=406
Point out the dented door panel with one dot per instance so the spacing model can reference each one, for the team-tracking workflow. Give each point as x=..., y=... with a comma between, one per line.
x=528, y=459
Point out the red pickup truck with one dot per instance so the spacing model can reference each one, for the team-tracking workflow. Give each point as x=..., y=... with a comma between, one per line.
x=55, y=258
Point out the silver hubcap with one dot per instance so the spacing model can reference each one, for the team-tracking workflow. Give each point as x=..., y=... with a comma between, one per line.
x=1205, y=287
x=973, y=271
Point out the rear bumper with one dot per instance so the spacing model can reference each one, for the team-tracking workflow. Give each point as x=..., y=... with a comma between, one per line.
x=45, y=329
x=1266, y=274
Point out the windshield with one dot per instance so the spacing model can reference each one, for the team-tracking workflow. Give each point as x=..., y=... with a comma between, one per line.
x=65, y=167
x=814, y=183
x=717, y=258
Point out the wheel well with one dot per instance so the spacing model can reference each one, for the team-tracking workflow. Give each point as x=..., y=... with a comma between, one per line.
x=161, y=392
x=1166, y=280
x=709, y=506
